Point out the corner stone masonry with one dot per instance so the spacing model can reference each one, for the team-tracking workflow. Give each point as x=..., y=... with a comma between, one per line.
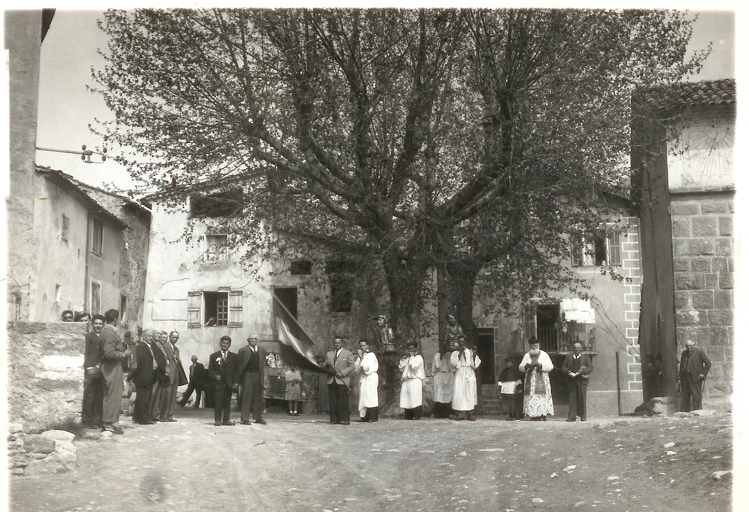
x=702, y=229
x=45, y=376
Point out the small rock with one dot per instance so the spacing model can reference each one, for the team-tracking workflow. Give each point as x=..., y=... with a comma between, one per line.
x=612, y=478
x=569, y=468
x=579, y=504
x=462, y=454
x=59, y=435
x=669, y=445
x=35, y=443
x=702, y=412
x=680, y=414
x=670, y=453
x=15, y=428
x=106, y=435
x=553, y=475
x=18, y=471
x=537, y=500
x=718, y=475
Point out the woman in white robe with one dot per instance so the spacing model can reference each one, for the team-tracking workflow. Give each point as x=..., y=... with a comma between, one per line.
x=412, y=379
x=367, y=365
x=537, y=400
x=465, y=396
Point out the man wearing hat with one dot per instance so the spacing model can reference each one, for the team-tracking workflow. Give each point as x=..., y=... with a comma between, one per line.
x=693, y=368
x=383, y=334
x=222, y=373
x=252, y=375
x=465, y=395
x=536, y=364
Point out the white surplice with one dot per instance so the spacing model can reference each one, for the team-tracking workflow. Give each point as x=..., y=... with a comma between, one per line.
x=465, y=396
x=412, y=379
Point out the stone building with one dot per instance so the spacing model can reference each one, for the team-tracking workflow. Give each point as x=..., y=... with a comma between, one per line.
x=686, y=187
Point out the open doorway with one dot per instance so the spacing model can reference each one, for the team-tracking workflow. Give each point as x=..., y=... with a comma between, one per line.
x=485, y=349
x=288, y=297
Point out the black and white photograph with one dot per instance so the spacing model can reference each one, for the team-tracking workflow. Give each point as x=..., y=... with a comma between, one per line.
x=367, y=257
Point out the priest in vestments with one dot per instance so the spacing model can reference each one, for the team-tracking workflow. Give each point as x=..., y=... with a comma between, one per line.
x=536, y=364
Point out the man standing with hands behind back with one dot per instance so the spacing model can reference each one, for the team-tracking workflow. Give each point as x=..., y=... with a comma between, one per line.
x=693, y=369
x=222, y=372
x=342, y=361
x=577, y=367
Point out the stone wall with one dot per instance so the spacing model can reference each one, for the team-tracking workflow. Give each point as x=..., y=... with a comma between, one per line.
x=703, y=283
x=45, y=372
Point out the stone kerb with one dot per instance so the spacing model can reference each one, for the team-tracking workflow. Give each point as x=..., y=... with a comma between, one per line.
x=45, y=376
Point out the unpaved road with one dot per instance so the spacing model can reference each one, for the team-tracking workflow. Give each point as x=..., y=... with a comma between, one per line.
x=305, y=464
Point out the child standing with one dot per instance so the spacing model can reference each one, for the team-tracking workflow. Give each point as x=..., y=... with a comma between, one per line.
x=293, y=380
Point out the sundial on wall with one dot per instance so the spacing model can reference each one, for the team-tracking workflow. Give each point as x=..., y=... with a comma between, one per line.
x=708, y=155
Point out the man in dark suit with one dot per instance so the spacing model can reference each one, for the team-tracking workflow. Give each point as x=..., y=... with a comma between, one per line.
x=222, y=373
x=150, y=364
x=341, y=361
x=693, y=369
x=93, y=385
x=197, y=383
x=577, y=367
x=252, y=373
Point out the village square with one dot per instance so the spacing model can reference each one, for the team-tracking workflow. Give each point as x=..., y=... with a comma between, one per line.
x=340, y=259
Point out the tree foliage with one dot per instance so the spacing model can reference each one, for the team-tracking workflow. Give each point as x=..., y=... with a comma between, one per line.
x=474, y=140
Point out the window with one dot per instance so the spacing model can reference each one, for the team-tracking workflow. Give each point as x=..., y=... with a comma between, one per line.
x=221, y=204
x=216, y=248
x=97, y=237
x=340, y=295
x=594, y=249
x=212, y=309
x=301, y=268
x=95, y=298
x=216, y=308
x=65, y=227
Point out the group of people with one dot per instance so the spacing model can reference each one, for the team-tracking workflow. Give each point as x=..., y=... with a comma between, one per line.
x=156, y=373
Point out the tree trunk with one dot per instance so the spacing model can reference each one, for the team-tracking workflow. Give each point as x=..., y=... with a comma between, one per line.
x=455, y=283
x=405, y=280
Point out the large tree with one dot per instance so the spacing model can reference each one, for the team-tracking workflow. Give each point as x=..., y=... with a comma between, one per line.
x=457, y=140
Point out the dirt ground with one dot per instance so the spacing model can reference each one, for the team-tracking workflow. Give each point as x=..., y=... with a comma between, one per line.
x=305, y=464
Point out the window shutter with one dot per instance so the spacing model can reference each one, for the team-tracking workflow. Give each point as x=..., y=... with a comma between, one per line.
x=193, y=309
x=615, y=249
x=577, y=250
x=235, y=308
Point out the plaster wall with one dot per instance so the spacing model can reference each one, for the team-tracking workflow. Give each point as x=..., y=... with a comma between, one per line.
x=62, y=262
x=23, y=44
x=176, y=268
x=133, y=255
x=616, y=304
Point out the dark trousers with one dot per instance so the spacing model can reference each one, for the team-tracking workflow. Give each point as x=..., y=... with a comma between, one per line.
x=413, y=414
x=442, y=410
x=339, y=407
x=252, y=396
x=188, y=393
x=372, y=414
x=222, y=403
x=691, y=395
x=513, y=404
x=141, y=412
x=577, y=395
x=93, y=399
